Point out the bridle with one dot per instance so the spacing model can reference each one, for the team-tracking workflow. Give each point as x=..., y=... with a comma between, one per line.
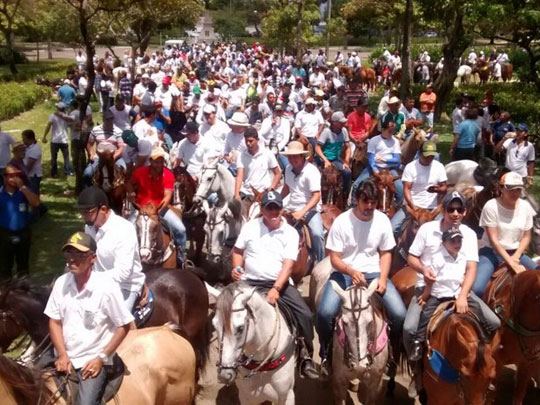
x=212, y=223
x=199, y=192
x=243, y=359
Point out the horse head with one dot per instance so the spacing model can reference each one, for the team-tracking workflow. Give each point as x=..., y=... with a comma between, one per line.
x=149, y=232
x=185, y=188
x=105, y=173
x=208, y=181
x=358, y=319
x=221, y=227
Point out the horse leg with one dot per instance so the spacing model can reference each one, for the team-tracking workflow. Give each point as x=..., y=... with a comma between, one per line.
x=339, y=389
x=525, y=371
x=289, y=400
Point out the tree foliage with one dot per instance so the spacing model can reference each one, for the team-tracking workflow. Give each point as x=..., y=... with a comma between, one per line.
x=229, y=25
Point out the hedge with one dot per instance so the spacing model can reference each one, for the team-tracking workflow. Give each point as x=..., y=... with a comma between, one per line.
x=31, y=70
x=20, y=97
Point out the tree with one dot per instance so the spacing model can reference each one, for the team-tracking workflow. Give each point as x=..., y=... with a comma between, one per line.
x=405, y=88
x=229, y=25
x=10, y=18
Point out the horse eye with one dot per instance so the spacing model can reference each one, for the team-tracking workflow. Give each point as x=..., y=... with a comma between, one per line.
x=209, y=179
x=240, y=329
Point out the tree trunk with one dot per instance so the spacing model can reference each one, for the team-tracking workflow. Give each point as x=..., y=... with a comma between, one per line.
x=405, y=89
x=49, y=48
x=532, y=76
x=455, y=44
x=11, y=57
x=300, y=31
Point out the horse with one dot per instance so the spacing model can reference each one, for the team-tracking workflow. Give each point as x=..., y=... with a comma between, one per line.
x=369, y=78
x=464, y=74
x=360, y=349
x=111, y=179
x=160, y=368
x=215, y=178
x=304, y=262
x=254, y=344
x=185, y=188
x=507, y=69
x=332, y=187
x=307, y=146
x=516, y=299
x=459, y=364
x=359, y=159
x=476, y=201
x=180, y=297
x=384, y=181
x=482, y=69
x=471, y=172
x=411, y=145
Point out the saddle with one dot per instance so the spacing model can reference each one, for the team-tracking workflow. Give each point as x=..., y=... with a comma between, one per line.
x=443, y=310
x=142, y=314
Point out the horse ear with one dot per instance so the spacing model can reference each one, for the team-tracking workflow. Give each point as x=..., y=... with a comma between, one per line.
x=372, y=288
x=338, y=290
x=214, y=292
x=436, y=211
x=411, y=212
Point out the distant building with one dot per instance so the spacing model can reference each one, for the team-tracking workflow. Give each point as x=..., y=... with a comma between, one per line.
x=204, y=30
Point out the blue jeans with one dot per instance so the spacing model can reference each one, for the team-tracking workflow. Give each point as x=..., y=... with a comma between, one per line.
x=488, y=261
x=91, y=390
x=283, y=161
x=130, y=298
x=89, y=171
x=331, y=303
x=64, y=148
x=178, y=230
x=366, y=174
x=397, y=221
x=316, y=231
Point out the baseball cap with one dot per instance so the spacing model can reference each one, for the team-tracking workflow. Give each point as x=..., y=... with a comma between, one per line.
x=429, y=148
x=92, y=197
x=451, y=233
x=166, y=80
x=192, y=127
x=60, y=105
x=66, y=81
x=523, y=127
x=209, y=109
x=18, y=144
x=145, y=76
x=512, y=180
x=81, y=241
x=338, y=116
x=271, y=197
x=157, y=153
x=129, y=137
x=454, y=195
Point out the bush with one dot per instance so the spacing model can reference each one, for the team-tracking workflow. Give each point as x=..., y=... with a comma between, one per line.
x=18, y=56
x=20, y=97
x=30, y=70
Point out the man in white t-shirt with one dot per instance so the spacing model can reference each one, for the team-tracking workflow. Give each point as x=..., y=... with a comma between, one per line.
x=520, y=153
x=166, y=92
x=424, y=184
x=123, y=114
x=58, y=125
x=136, y=151
x=192, y=151
x=360, y=245
x=425, y=245
x=270, y=240
x=303, y=186
x=144, y=128
x=309, y=122
x=235, y=143
x=214, y=130
x=32, y=160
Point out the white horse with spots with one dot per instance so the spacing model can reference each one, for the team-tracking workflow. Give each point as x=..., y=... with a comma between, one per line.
x=360, y=347
x=256, y=348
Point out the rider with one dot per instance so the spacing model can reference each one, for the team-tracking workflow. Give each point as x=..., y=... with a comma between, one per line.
x=425, y=245
x=520, y=154
x=155, y=184
x=87, y=319
x=333, y=148
x=360, y=245
x=453, y=281
x=383, y=152
x=117, y=246
x=234, y=142
x=394, y=115
x=263, y=257
x=303, y=182
x=424, y=184
x=309, y=122
x=192, y=151
x=413, y=117
x=106, y=137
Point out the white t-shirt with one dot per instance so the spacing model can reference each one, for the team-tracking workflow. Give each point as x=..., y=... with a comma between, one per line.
x=121, y=117
x=421, y=177
x=308, y=123
x=279, y=133
x=166, y=96
x=517, y=156
x=383, y=148
x=144, y=148
x=449, y=273
x=257, y=170
x=144, y=130
x=265, y=250
x=302, y=186
x=428, y=241
x=510, y=224
x=106, y=140
x=359, y=242
x=193, y=155
x=457, y=118
x=234, y=144
x=59, y=129
x=34, y=152
x=77, y=126
x=5, y=150
x=215, y=135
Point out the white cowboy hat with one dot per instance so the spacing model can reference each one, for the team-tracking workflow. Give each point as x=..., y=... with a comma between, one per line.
x=295, y=148
x=239, y=119
x=393, y=100
x=311, y=100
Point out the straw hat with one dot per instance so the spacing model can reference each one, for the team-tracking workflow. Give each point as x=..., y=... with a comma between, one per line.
x=295, y=148
x=239, y=119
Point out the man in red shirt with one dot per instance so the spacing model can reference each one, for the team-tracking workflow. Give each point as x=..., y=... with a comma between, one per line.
x=359, y=121
x=155, y=184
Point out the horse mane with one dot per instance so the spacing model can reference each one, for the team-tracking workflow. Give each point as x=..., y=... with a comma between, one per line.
x=27, y=384
x=24, y=286
x=224, y=305
x=235, y=207
x=457, y=319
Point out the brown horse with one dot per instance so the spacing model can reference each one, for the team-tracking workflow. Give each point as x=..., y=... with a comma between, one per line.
x=111, y=179
x=332, y=187
x=160, y=368
x=180, y=297
x=507, y=69
x=156, y=246
x=359, y=158
x=304, y=263
x=307, y=146
x=410, y=147
x=459, y=342
x=516, y=299
x=482, y=69
x=369, y=78
x=477, y=199
x=185, y=188
x=384, y=181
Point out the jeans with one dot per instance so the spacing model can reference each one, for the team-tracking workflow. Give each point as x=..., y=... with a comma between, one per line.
x=92, y=389
x=488, y=261
x=398, y=184
x=414, y=311
x=463, y=154
x=316, y=231
x=331, y=303
x=313, y=142
x=283, y=161
x=55, y=147
x=428, y=117
x=88, y=173
x=397, y=221
x=345, y=174
x=178, y=231
x=14, y=248
x=78, y=158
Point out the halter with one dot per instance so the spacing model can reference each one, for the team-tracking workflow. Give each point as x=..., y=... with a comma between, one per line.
x=244, y=360
x=161, y=254
x=212, y=223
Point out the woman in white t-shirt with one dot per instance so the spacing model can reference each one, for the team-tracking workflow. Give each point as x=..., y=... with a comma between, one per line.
x=507, y=223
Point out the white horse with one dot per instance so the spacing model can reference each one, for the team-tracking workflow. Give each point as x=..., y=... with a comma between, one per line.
x=215, y=178
x=222, y=227
x=461, y=171
x=255, y=346
x=464, y=74
x=359, y=364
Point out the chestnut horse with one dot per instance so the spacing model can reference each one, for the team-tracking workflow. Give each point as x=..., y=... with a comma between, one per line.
x=359, y=158
x=111, y=179
x=516, y=299
x=384, y=182
x=304, y=263
x=160, y=368
x=332, y=187
x=459, y=349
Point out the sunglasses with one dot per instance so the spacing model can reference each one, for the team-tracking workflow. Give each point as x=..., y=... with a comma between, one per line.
x=85, y=212
x=460, y=210
x=76, y=257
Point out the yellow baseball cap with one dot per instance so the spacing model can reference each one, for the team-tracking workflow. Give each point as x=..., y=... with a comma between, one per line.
x=82, y=242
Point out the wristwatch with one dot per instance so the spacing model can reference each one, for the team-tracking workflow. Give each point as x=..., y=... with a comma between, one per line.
x=104, y=358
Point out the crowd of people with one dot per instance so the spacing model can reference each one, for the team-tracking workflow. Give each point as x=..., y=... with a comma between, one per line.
x=251, y=109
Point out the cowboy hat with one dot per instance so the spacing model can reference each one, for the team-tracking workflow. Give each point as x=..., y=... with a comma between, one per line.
x=239, y=119
x=295, y=148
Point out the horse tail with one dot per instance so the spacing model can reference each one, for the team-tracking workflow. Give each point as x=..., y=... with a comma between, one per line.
x=201, y=346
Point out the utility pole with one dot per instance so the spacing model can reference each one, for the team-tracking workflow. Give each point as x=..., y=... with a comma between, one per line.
x=328, y=29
